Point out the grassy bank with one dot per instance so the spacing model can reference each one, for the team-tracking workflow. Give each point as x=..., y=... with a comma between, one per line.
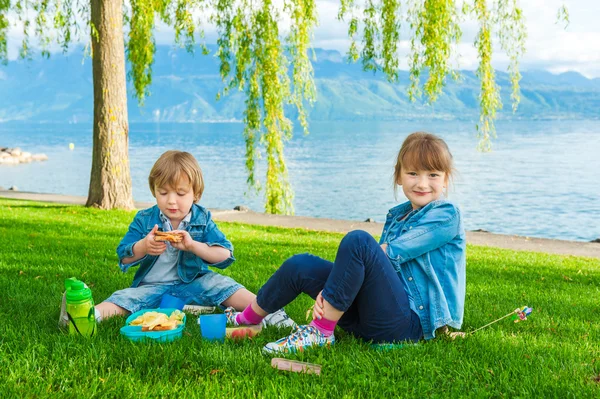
x=555, y=353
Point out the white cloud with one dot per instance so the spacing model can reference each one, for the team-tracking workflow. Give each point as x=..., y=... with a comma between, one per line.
x=553, y=47
x=549, y=45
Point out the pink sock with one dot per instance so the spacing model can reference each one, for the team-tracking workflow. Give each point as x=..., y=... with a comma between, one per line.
x=249, y=316
x=324, y=325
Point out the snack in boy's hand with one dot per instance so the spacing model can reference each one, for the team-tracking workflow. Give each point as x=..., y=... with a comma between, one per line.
x=168, y=236
x=157, y=321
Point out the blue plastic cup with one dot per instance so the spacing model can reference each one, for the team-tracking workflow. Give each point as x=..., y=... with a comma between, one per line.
x=212, y=326
x=171, y=302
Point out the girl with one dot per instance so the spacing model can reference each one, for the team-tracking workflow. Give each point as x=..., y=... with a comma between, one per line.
x=402, y=289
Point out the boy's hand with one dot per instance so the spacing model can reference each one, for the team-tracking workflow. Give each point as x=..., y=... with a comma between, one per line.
x=318, y=307
x=186, y=244
x=152, y=247
x=384, y=247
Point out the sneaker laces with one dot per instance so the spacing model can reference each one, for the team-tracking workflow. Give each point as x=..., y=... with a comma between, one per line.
x=301, y=334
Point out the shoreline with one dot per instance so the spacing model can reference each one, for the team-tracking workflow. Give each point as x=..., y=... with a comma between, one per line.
x=514, y=242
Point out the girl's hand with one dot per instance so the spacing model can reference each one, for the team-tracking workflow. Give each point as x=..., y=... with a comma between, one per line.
x=186, y=244
x=318, y=308
x=152, y=247
x=384, y=247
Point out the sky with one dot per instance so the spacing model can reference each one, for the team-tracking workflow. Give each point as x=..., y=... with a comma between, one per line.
x=550, y=45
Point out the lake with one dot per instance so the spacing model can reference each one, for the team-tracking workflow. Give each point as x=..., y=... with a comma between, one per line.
x=540, y=180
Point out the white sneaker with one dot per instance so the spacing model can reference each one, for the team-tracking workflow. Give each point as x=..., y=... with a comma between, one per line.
x=197, y=309
x=231, y=314
x=304, y=337
x=279, y=319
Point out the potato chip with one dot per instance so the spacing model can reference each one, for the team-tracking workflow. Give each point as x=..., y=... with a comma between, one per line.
x=158, y=321
x=177, y=315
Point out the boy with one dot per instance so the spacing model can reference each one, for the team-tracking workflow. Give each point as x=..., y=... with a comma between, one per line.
x=177, y=268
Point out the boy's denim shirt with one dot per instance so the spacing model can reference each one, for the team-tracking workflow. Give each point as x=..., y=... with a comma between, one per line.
x=189, y=266
x=427, y=249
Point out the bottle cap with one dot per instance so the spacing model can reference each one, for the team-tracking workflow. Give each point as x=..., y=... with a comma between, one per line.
x=78, y=291
x=68, y=282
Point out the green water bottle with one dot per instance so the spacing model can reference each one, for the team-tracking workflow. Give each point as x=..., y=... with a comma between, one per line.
x=80, y=309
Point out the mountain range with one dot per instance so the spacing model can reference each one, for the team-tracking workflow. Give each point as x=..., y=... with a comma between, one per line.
x=184, y=88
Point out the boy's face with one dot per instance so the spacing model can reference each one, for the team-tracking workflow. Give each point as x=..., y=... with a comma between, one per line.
x=175, y=202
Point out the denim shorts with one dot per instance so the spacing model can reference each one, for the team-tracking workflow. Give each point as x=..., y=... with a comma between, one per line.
x=210, y=289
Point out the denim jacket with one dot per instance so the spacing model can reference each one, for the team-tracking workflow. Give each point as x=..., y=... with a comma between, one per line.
x=427, y=249
x=189, y=266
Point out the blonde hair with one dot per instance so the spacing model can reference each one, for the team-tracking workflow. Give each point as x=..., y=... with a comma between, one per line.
x=170, y=167
x=424, y=151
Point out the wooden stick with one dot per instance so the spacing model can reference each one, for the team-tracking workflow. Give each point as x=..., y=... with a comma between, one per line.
x=495, y=321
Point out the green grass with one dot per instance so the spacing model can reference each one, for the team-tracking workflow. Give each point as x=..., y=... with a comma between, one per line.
x=555, y=353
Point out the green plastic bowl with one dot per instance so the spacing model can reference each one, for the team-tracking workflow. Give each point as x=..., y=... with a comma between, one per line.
x=135, y=333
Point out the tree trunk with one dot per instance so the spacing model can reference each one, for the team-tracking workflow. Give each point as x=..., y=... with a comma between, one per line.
x=110, y=182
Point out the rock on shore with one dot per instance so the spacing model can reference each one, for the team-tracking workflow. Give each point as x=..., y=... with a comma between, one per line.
x=14, y=156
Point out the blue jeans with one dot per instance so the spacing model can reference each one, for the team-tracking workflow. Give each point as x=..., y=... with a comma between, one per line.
x=361, y=282
x=210, y=289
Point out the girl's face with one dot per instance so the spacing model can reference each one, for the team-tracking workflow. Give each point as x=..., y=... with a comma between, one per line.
x=422, y=186
x=175, y=202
